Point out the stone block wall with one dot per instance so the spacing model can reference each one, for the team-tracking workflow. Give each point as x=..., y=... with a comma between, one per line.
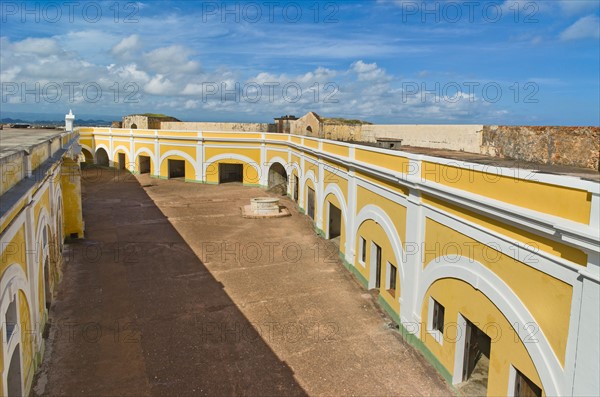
x=308, y=125
x=208, y=126
x=569, y=146
x=342, y=132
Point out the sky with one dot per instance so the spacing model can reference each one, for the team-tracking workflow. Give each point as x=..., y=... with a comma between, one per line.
x=506, y=62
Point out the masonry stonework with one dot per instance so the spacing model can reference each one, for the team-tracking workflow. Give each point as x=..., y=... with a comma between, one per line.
x=570, y=146
x=209, y=126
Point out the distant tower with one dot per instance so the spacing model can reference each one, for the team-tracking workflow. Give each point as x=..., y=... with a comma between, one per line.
x=69, y=118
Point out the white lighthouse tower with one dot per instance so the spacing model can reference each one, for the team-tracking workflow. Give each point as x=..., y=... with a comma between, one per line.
x=69, y=118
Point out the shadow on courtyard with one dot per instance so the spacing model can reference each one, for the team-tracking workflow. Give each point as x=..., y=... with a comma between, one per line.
x=138, y=313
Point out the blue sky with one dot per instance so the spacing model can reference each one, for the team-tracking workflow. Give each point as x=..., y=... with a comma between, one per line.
x=387, y=61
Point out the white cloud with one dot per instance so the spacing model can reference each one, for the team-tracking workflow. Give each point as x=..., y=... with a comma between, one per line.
x=368, y=71
x=160, y=85
x=45, y=46
x=171, y=59
x=130, y=72
x=169, y=77
x=127, y=45
x=587, y=27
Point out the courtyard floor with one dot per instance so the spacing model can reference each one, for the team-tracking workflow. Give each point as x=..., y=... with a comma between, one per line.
x=172, y=292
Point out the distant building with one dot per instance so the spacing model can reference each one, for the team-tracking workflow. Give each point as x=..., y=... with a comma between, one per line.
x=283, y=123
x=311, y=124
x=146, y=121
x=20, y=125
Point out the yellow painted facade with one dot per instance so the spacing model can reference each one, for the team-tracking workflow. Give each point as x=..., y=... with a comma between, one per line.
x=506, y=348
x=551, y=247
x=383, y=160
x=37, y=213
x=551, y=313
x=12, y=173
x=542, y=197
x=396, y=212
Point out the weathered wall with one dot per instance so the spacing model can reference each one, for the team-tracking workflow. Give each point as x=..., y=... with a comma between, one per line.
x=465, y=138
x=208, y=126
x=140, y=121
x=572, y=146
x=301, y=126
x=342, y=132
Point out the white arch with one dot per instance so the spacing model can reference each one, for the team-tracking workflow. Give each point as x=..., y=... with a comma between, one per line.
x=11, y=281
x=150, y=154
x=58, y=205
x=310, y=175
x=58, y=221
x=180, y=154
x=295, y=165
x=284, y=164
x=126, y=150
x=143, y=150
x=334, y=189
x=234, y=156
x=500, y=294
x=86, y=147
x=375, y=213
x=277, y=159
x=44, y=220
x=103, y=146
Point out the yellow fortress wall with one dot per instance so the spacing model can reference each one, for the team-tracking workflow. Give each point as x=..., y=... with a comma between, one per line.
x=40, y=201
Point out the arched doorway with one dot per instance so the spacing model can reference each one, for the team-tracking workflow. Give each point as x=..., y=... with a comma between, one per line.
x=47, y=290
x=134, y=126
x=278, y=179
x=101, y=157
x=13, y=380
x=86, y=157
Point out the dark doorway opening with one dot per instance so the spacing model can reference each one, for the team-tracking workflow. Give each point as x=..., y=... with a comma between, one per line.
x=87, y=157
x=48, y=291
x=476, y=361
x=176, y=168
x=101, y=157
x=310, y=205
x=296, y=182
x=14, y=374
x=335, y=221
x=134, y=126
x=144, y=164
x=231, y=173
x=377, y=260
x=121, y=161
x=278, y=179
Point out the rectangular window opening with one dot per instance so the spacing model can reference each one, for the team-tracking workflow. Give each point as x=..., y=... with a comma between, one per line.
x=362, y=250
x=524, y=387
x=392, y=273
x=437, y=321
